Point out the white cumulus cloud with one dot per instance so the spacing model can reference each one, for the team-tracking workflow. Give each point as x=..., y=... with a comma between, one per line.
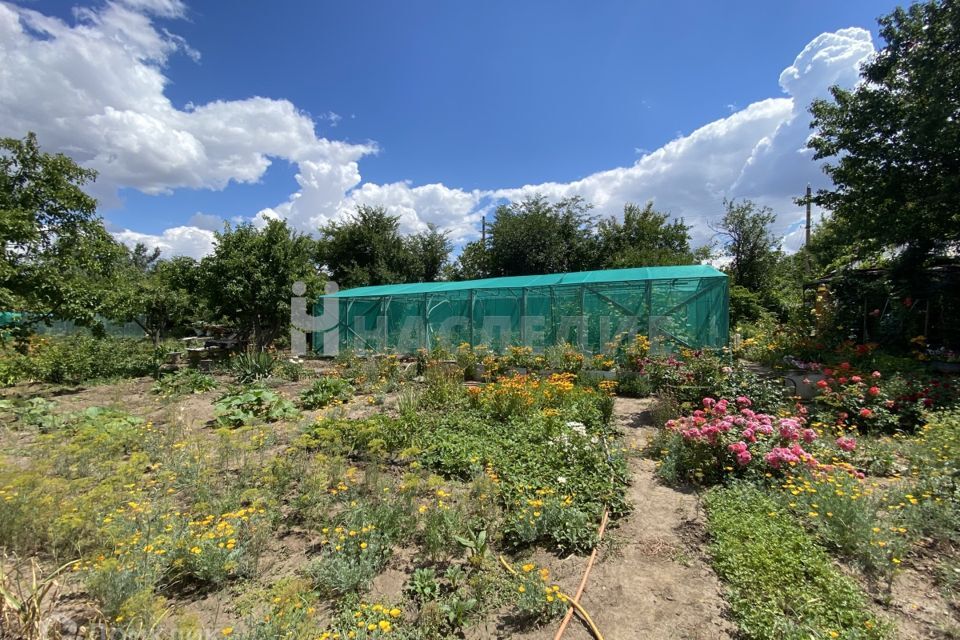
x=94, y=88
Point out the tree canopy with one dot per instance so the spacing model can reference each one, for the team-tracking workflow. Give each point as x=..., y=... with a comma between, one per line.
x=58, y=261
x=645, y=238
x=249, y=277
x=893, y=142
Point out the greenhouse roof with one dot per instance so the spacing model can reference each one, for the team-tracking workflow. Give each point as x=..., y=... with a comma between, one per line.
x=685, y=272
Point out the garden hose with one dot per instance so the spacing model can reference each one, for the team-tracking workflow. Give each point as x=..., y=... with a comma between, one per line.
x=583, y=585
x=573, y=603
x=586, y=571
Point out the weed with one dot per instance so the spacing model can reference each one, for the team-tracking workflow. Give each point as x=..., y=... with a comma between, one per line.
x=780, y=583
x=183, y=382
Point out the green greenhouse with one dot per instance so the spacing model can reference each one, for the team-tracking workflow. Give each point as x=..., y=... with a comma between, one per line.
x=682, y=306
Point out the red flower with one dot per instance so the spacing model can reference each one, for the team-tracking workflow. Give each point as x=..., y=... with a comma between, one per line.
x=865, y=413
x=874, y=391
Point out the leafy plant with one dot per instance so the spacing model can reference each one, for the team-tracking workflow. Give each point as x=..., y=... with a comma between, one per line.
x=183, y=382
x=292, y=370
x=476, y=546
x=80, y=358
x=326, y=390
x=26, y=604
x=253, y=366
x=780, y=584
x=247, y=404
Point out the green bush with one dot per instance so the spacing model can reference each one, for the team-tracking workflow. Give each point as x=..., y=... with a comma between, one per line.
x=79, y=359
x=252, y=367
x=326, y=390
x=247, y=404
x=780, y=584
x=634, y=385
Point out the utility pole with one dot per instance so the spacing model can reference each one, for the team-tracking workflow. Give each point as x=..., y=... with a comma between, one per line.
x=483, y=233
x=806, y=245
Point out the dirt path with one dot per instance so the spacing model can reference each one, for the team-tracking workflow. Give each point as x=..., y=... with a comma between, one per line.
x=649, y=582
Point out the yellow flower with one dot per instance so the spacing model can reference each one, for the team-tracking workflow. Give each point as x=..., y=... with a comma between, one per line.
x=395, y=613
x=527, y=568
x=384, y=625
x=226, y=631
x=196, y=550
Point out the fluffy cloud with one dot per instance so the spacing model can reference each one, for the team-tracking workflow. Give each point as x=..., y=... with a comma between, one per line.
x=94, y=88
x=758, y=152
x=180, y=241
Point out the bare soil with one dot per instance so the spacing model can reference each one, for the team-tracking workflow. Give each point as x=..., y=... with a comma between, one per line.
x=650, y=579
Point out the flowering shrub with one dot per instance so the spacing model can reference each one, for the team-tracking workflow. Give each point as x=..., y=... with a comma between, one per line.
x=688, y=377
x=535, y=597
x=728, y=437
x=857, y=401
x=349, y=558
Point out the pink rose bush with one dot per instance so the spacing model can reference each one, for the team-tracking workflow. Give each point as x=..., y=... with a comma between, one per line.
x=725, y=437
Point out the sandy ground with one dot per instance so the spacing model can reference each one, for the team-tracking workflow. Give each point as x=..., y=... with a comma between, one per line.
x=650, y=580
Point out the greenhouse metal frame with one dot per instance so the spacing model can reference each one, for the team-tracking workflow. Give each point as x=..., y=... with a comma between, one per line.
x=680, y=306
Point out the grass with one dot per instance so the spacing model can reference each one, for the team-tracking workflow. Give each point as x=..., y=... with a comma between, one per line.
x=781, y=584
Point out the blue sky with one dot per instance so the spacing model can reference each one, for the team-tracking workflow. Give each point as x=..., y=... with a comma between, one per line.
x=477, y=98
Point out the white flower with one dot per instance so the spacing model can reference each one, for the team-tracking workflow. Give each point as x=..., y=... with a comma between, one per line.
x=562, y=479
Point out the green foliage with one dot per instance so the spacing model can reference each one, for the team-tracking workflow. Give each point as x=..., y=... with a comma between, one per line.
x=536, y=236
x=326, y=390
x=356, y=548
x=745, y=305
x=373, y=437
x=750, y=245
x=80, y=358
x=253, y=366
x=765, y=392
x=57, y=260
x=892, y=140
x=246, y=405
x=780, y=584
x=162, y=296
x=535, y=598
x=292, y=371
x=184, y=382
x=368, y=249
x=248, y=278
x=634, y=385
x=35, y=413
x=644, y=238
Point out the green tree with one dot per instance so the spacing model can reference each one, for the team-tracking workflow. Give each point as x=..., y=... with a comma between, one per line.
x=893, y=142
x=365, y=249
x=750, y=246
x=429, y=254
x=58, y=261
x=473, y=263
x=248, y=279
x=535, y=236
x=644, y=238
x=161, y=296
